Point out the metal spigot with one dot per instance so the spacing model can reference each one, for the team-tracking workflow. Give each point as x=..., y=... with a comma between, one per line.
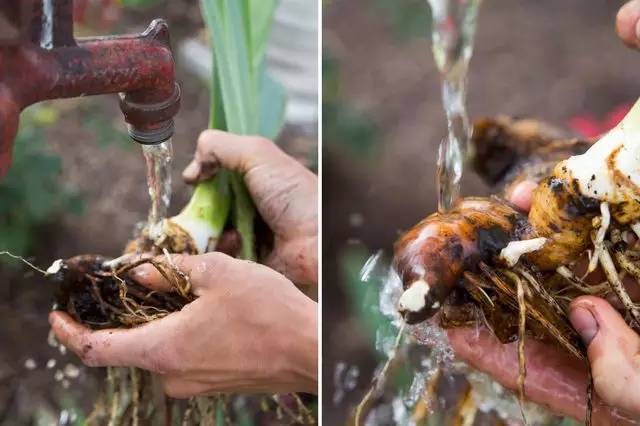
x=40, y=59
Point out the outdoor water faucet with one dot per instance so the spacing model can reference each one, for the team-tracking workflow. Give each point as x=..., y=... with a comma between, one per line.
x=40, y=59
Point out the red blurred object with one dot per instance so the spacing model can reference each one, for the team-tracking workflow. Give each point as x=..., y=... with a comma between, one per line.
x=588, y=126
x=108, y=11
x=40, y=59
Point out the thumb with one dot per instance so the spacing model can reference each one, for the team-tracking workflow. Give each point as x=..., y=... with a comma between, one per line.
x=143, y=347
x=627, y=23
x=239, y=153
x=613, y=349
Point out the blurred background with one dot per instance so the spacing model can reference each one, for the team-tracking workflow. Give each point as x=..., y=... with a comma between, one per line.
x=77, y=185
x=558, y=61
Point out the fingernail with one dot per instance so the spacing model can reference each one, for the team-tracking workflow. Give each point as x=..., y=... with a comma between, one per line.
x=142, y=272
x=521, y=194
x=191, y=172
x=585, y=323
x=637, y=30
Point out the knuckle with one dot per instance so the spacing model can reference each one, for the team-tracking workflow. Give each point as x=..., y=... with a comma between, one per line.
x=207, y=136
x=262, y=145
x=217, y=260
x=173, y=390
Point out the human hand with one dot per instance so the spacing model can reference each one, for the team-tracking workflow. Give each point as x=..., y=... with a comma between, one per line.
x=554, y=378
x=628, y=23
x=284, y=192
x=250, y=330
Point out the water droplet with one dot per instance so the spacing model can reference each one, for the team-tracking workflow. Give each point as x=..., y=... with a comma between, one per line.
x=51, y=363
x=58, y=376
x=71, y=371
x=51, y=339
x=369, y=266
x=356, y=220
x=64, y=417
x=345, y=379
x=30, y=364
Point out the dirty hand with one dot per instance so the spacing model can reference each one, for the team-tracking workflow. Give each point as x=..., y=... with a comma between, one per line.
x=554, y=378
x=250, y=330
x=284, y=192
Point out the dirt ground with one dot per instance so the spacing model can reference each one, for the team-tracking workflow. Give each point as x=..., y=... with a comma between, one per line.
x=547, y=59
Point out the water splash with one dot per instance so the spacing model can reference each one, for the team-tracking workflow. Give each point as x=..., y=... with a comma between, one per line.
x=452, y=32
x=46, y=36
x=423, y=349
x=345, y=380
x=158, y=159
x=425, y=352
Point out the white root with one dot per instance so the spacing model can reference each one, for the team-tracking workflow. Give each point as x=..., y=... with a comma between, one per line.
x=598, y=242
x=615, y=282
x=577, y=283
x=55, y=267
x=635, y=227
x=414, y=298
x=515, y=249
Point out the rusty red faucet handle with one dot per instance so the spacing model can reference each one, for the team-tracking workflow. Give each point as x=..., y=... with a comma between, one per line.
x=40, y=59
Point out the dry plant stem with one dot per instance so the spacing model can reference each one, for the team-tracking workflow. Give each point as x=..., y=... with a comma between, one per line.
x=542, y=292
x=525, y=308
x=475, y=289
x=536, y=315
x=364, y=403
x=618, y=288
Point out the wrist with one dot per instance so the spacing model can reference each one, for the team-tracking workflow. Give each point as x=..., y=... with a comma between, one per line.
x=299, y=346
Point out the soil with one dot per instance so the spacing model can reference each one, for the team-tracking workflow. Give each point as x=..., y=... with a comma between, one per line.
x=546, y=59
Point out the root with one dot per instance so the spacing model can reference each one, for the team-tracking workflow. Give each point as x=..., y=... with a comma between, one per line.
x=598, y=240
x=102, y=298
x=578, y=284
x=621, y=257
x=542, y=292
x=588, y=415
x=533, y=313
x=522, y=327
x=426, y=404
x=635, y=227
x=362, y=407
x=617, y=286
x=466, y=409
x=25, y=261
